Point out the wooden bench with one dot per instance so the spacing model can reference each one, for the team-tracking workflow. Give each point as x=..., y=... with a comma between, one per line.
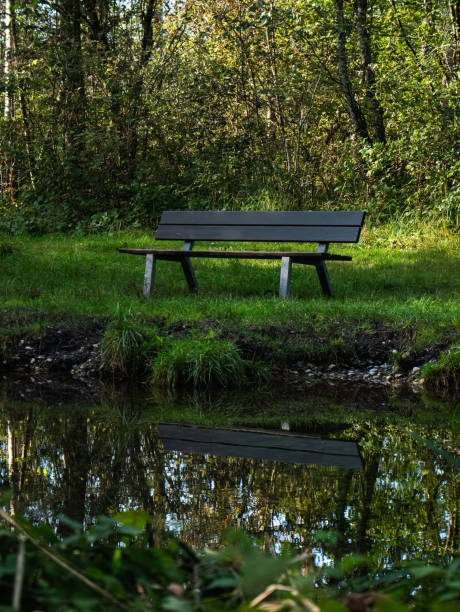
x=322, y=227
x=260, y=444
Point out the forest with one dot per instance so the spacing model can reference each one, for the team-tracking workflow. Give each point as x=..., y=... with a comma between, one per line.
x=114, y=111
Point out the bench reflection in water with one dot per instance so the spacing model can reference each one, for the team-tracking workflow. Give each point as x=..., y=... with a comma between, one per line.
x=260, y=444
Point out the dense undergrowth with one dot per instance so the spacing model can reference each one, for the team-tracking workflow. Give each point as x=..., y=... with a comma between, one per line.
x=115, y=565
x=282, y=124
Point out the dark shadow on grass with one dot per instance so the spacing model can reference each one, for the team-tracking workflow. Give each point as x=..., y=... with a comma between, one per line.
x=419, y=276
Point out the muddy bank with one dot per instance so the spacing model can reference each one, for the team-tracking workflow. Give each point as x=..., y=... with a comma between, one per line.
x=374, y=354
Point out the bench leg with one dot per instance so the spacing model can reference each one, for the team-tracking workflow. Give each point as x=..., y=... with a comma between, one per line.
x=285, y=277
x=149, y=275
x=189, y=275
x=324, y=279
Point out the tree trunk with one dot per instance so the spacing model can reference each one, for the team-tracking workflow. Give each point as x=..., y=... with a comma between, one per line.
x=131, y=138
x=370, y=476
x=19, y=436
x=76, y=469
x=8, y=180
x=340, y=520
x=8, y=106
x=375, y=110
x=73, y=99
x=455, y=18
x=97, y=21
x=354, y=110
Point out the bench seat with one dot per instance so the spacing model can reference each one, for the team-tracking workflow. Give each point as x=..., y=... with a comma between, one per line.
x=322, y=227
x=297, y=256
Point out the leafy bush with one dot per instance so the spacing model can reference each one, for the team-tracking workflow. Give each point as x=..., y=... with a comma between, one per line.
x=114, y=565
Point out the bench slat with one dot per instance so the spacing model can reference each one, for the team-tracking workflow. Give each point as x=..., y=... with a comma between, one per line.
x=180, y=255
x=261, y=438
x=260, y=233
x=300, y=218
x=260, y=445
x=349, y=462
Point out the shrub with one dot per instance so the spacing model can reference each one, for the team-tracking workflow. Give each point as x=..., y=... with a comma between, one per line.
x=112, y=565
x=198, y=362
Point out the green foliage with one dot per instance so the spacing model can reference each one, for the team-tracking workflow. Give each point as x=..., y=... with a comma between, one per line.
x=438, y=450
x=108, y=567
x=199, y=362
x=427, y=587
x=127, y=344
x=6, y=248
x=113, y=566
x=443, y=373
x=216, y=105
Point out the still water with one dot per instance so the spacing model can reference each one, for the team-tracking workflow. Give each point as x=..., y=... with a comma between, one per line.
x=374, y=473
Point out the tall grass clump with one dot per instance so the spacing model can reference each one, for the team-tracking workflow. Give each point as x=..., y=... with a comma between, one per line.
x=6, y=248
x=199, y=362
x=443, y=375
x=126, y=344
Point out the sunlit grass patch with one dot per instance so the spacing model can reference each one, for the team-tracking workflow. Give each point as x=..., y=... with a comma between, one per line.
x=402, y=280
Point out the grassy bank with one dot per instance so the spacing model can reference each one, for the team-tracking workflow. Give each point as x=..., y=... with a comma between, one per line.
x=405, y=281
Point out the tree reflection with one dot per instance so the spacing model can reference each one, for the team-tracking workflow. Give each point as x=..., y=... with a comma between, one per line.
x=85, y=462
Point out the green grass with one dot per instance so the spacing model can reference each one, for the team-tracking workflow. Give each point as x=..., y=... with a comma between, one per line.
x=200, y=362
x=444, y=373
x=402, y=280
x=126, y=344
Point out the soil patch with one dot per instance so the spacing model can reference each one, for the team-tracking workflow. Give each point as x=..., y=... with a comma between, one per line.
x=372, y=353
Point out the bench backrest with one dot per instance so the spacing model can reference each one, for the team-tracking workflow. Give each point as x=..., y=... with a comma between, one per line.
x=261, y=226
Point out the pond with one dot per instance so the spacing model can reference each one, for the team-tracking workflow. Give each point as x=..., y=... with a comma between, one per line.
x=334, y=471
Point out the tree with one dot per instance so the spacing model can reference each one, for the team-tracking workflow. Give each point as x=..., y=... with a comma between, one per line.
x=354, y=109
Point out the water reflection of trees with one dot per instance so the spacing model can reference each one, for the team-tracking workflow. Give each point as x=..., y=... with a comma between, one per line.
x=87, y=462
